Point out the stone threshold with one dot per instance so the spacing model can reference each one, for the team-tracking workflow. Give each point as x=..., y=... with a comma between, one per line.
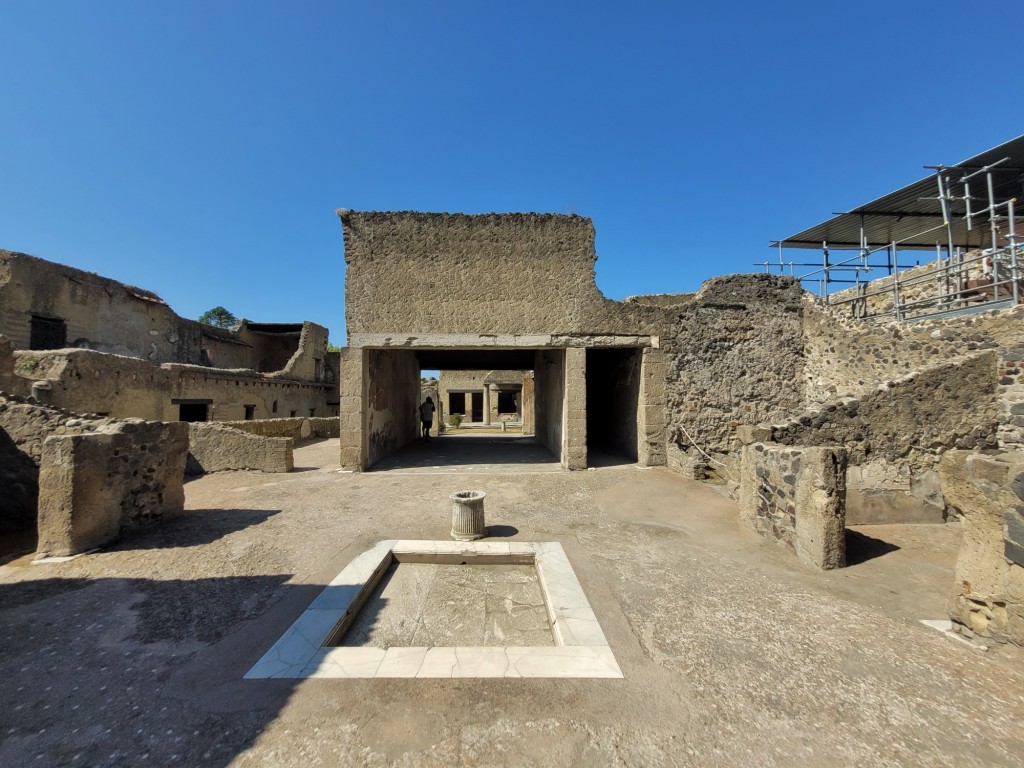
x=580, y=651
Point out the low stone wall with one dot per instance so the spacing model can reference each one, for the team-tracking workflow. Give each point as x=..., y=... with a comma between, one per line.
x=218, y=447
x=797, y=497
x=988, y=490
x=92, y=485
x=297, y=428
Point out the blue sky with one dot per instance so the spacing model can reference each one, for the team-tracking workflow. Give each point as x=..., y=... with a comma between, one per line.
x=199, y=149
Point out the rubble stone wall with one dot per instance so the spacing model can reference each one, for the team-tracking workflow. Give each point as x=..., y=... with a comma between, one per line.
x=219, y=447
x=92, y=485
x=895, y=434
x=796, y=496
x=734, y=356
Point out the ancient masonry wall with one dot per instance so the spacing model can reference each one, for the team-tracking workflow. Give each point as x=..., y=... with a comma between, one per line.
x=87, y=477
x=93, y=485
x=988, y=490
x=651, y=418
x=100, y=313
x=297, y=428
x=124, y=387
x=734, y=355
x=218, y=447
x=352, y=408
x=895, y=435
x=522, y=273
x=796, y=496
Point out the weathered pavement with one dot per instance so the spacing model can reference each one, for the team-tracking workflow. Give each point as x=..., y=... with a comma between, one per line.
x=733, y=652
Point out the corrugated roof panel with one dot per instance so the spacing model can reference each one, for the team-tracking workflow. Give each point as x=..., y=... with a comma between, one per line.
x=912, y=215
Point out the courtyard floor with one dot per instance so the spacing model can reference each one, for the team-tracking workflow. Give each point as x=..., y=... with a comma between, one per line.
x=732, y=651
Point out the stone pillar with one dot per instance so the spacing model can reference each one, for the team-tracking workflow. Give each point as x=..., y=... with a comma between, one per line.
x=352, y=381
x=574, y=410
x=988, y=588
x=526, y=404
x=650, y=412
x=487, y=404
x=797, y=496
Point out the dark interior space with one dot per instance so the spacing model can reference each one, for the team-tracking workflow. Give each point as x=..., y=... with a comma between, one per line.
x=192, y=411
x=613, y=390
x=19, y=478
x=47, y=333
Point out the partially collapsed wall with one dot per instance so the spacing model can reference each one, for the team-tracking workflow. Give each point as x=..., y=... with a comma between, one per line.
x=82, y=480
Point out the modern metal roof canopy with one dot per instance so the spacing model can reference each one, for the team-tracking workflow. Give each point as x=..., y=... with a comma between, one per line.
x=915, y=216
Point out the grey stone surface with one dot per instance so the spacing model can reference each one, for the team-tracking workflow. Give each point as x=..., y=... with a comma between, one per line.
x=420, y=604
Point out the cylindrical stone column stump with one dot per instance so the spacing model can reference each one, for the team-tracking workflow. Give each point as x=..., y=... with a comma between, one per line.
x=468, y=515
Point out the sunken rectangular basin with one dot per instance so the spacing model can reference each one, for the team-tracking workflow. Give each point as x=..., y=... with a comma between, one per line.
x=335, y=638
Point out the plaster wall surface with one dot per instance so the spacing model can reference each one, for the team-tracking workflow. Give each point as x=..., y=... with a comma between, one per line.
x=100, y=313
x=393, y=388
x=85, y=381
x=549, y=380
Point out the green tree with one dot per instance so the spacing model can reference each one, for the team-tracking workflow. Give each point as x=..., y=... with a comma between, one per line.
x=219, y=317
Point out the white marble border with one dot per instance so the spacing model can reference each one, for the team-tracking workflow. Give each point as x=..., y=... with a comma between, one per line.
x=580, y=650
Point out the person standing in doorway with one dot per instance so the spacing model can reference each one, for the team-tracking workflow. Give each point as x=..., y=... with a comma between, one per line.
x=427, y=416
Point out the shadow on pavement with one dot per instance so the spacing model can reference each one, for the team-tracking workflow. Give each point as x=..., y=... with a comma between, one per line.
x=860, y=548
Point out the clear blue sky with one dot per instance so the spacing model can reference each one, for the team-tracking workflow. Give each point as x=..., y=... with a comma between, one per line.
x=199, y=149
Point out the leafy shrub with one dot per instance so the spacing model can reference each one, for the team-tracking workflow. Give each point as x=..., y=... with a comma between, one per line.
x=455, y=419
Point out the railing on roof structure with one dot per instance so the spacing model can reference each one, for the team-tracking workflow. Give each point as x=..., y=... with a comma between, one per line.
x=961, y=280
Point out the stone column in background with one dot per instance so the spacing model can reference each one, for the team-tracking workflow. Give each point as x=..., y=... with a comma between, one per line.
x=574, y=410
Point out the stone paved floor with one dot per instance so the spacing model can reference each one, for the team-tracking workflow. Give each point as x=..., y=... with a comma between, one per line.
x=421, y=604
x=733, y=652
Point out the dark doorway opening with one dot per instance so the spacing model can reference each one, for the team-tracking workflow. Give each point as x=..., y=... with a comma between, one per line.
x=613, y=393
x=192, y=411
x=250, y=412
x=508, y=402
x=47, y=333
x=477, y=414
x=457, y=402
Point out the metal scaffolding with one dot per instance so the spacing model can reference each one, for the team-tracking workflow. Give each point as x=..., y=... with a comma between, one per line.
x=965, y=213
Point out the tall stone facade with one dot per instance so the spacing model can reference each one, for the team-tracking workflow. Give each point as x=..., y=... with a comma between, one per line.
x=484, y=292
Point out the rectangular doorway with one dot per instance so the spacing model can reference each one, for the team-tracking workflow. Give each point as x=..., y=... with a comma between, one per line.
x=477, y=414
x=192, y=411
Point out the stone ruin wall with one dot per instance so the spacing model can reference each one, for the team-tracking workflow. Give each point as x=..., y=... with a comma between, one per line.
x=895, y=435
x=513, y=273
x=214, y=447
x=920, y=283
x=124, y=387
x=101, y=314
x=392, y=402
x=89, y=478
x=734, y=355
